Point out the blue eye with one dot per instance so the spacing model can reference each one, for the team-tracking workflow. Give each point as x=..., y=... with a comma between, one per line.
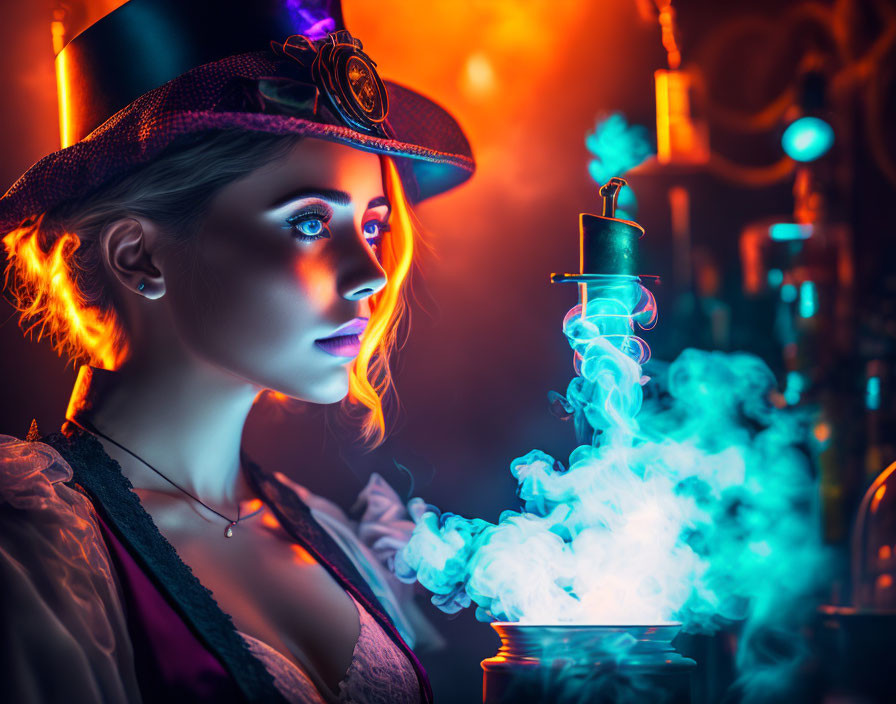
x=309, y=225
x=374, y=230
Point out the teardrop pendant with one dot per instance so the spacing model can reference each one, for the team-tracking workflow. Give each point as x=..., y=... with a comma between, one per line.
x=229, y=532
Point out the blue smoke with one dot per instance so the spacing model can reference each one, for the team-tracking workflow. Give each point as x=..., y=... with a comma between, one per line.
x=690, y=498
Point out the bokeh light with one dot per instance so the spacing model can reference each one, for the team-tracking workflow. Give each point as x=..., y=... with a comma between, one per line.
x=807, y=139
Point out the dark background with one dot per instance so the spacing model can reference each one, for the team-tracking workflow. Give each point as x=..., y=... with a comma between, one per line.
x=527, y=80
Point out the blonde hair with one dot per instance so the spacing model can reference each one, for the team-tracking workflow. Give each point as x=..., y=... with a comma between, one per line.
x=60, y=287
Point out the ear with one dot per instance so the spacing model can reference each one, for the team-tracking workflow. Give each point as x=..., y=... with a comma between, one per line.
x=130, y=247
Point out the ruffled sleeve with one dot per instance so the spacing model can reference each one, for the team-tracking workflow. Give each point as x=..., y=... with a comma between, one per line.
x=386, y=523
x=62, y=627
x=371, y=543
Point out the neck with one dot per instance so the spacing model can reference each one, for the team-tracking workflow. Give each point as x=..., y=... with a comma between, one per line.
x=185, y=421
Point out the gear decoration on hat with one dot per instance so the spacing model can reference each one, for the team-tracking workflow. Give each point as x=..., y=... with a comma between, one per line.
x=345, y=75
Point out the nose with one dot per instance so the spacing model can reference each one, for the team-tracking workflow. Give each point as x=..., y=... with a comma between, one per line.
x=361, y=275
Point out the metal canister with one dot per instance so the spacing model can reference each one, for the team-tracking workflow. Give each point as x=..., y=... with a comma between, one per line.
x=572, y=664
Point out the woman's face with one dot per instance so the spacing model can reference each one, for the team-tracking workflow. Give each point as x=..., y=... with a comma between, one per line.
x=285, y=262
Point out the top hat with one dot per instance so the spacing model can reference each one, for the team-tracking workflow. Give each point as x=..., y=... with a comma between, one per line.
x=608, y=246
x=154, y=71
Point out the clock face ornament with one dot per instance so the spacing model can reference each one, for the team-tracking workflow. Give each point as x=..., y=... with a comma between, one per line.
x=346, y=76
x=363, y=86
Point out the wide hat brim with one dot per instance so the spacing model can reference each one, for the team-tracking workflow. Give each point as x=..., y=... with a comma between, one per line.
x=429, y=147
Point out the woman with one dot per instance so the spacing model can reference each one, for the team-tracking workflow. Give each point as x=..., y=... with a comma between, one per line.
x=231, y=217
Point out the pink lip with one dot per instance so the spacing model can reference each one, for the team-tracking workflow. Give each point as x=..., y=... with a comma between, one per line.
x=355, y=326
x=345, y=341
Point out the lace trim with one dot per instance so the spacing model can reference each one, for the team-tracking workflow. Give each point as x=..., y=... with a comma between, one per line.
x=112, y=495
x=379, y=672
x=294, y=516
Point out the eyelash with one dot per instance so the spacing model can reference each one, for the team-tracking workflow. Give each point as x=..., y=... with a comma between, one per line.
x=324, y=214
x=309, y=214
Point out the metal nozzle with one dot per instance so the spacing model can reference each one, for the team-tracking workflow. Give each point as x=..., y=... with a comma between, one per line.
x=610, y=192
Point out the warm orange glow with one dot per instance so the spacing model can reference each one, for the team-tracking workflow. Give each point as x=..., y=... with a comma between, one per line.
x=667, y=25
x=370, y=377
x=679, y=138
x=807, y=200
x=65, y=138
x=822, y=432
x=679, y=207
x=45, y=293
x=878, y=495
x=663, y=138
x=870, y=503
x=57, y=30
x=884, y=581
x=884, y=552
x=268, y=520
x=751, y=240
x=479, y=76
x=301, y=555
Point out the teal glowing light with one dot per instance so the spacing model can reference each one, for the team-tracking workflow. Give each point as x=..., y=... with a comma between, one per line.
x=808, y=299
x=775, y=277
x=807, y=138
x=789, y=231
x=788, y=293
x=872, y=393
x=794, y=388
x=617, y=147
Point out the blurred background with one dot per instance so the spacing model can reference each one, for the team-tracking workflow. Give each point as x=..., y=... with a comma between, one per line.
x=758, y=139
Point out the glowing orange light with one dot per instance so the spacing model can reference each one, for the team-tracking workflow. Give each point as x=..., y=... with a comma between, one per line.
x=822, y=432
x=751, y=240
x=884, y=553
x=268, y=520
x=878, y=495
x=479, y=75
x=679, y=138
x=663, y=118
x=47, y=294
x=254, y=505
x=679, y=206
x=57, y=30
x=301, y=555
x=884, y=581
x=667, y=25
x=65, y=138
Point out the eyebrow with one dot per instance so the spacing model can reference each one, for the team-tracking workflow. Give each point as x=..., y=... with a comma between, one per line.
x=328, y=194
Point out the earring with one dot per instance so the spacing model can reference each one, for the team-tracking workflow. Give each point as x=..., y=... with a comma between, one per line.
x=141, y=286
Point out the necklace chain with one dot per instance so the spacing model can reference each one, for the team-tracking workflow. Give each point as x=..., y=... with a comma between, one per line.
x=87, y=427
